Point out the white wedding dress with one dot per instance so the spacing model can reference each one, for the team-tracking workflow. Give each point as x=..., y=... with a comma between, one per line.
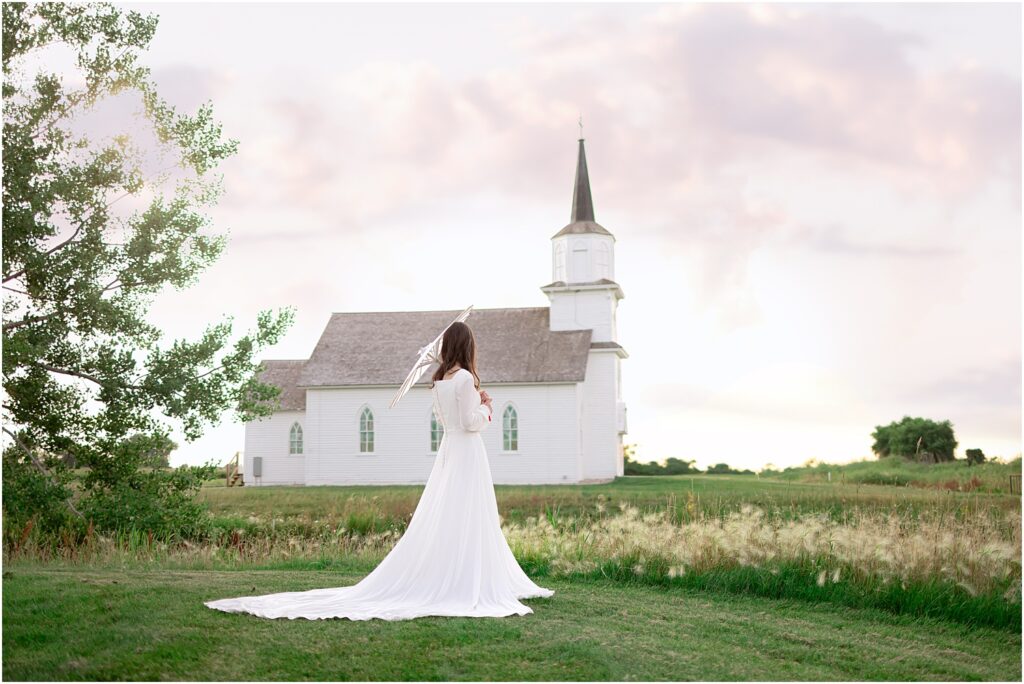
x=453, y=558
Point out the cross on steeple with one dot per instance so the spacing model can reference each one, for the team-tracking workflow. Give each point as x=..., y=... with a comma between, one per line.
x=581, y=126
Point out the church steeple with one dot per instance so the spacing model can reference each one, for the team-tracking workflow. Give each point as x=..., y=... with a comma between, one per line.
x=582, y=258
x=582, y=202
x=584, y=296
x=582, y=218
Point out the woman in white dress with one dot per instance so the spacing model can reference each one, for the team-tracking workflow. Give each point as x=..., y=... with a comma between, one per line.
x=453, y=559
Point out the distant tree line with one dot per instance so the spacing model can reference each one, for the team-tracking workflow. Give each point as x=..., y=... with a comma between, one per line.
x=673, y=466
x=913, y=438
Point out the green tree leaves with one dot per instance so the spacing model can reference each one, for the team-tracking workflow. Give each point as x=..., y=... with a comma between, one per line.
x=918, y=438
x=84, y=372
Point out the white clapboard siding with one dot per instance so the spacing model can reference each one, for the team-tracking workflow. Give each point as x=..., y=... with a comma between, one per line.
x=269, y=437
x=548, y=435
x=401, y=452
x=548, y=449
x=601, y=452
x=593, y=309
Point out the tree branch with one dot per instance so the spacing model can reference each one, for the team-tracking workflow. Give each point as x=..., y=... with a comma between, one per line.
x=28, y=321
x=48, y=252
x=87, y=376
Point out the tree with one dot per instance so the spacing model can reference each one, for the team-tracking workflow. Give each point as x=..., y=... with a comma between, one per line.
x=671, y=466
x=677, y=466
x=631, y=467
x=975, y=456
x=725, y=469
x=915, y=438
x=83, y=371
x=154, y=453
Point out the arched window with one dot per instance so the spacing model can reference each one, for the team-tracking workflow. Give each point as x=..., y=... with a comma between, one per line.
x=295, y=439
x=510, y=429
x=436, y=432
x=366, y=430
x=559, y=262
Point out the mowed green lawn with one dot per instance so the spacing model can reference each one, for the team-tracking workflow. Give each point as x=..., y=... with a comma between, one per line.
x=109, y=624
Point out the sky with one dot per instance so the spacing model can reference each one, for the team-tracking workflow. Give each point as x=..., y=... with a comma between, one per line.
x=817, y=208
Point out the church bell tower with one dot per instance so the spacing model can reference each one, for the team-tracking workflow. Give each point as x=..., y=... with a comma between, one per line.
x=583, y=291
x=585, y=296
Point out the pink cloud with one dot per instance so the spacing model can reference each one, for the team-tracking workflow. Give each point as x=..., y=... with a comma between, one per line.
x=720, y=84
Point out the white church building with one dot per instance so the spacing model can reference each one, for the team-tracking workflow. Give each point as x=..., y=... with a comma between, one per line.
x=553, y=372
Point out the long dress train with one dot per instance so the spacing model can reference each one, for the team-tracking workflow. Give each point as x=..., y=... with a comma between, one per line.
x=452, y=560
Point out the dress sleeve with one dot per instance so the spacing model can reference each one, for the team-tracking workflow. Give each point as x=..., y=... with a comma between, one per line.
x=473, y=415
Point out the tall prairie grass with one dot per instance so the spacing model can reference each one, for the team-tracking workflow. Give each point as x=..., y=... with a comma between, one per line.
x=978, y=552
x=959, y=560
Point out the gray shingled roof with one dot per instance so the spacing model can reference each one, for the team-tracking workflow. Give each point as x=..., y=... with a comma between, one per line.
x=611, y=345
x=379, y=348
x=284, y=373
x=583, y=227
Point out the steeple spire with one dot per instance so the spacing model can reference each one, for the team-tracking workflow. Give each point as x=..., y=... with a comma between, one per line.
x=582, y=202
x=582, y=221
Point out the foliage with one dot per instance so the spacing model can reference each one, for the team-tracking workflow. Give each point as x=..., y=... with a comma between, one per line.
x=975, y=456
x=33, y=501
x=162, y=503
x=724, y=469
x=917, y=438
x=83, y=370
x=671, y=466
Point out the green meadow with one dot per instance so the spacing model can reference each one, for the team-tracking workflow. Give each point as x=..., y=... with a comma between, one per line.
x=703, y=577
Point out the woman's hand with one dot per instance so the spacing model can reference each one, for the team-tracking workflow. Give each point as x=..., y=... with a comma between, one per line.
x=485, y=399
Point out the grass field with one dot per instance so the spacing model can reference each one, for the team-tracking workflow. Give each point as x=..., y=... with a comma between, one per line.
x=716, y=494
x=991, y=476
x=661, y=578
x=74, y=624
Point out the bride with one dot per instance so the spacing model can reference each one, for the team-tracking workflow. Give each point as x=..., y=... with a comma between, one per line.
x=453, y=558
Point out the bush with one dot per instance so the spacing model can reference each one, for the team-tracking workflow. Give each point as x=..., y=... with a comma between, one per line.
x=160, y=501
x=975, y=456
x=29, y=495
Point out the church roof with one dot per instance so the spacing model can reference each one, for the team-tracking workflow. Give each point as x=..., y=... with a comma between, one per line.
x=582, y=218
x=583, y=227
x=284, y=373
x=379, y=348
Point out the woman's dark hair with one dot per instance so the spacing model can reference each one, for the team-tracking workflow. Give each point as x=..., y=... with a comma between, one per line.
x=458, y=347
